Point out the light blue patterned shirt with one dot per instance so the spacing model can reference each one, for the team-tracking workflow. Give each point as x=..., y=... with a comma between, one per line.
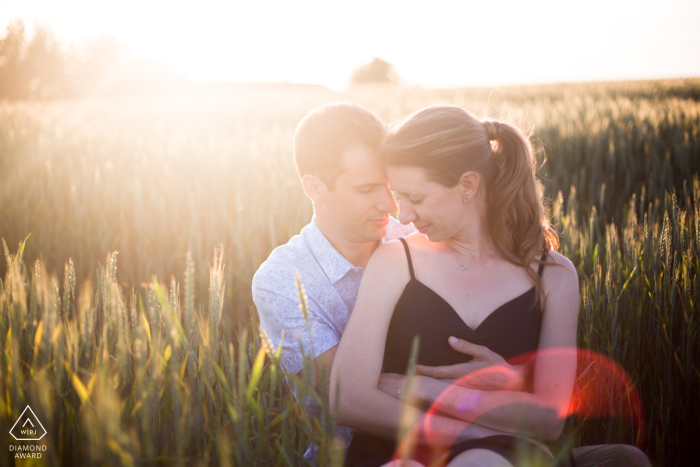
x=331, y=283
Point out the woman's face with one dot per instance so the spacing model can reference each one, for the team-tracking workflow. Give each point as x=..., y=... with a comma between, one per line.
x=435, y=210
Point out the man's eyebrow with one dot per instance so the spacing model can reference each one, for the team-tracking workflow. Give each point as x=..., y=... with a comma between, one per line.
x=367, y=185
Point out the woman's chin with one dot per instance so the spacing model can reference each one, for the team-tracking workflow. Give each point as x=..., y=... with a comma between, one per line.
x=434, y=236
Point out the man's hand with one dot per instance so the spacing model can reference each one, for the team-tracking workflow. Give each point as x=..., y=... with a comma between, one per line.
x=392, y=384
x=395, y=385
x=487, y=371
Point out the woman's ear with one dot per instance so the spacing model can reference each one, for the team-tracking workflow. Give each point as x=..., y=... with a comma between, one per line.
x=313, y=187
x=469, y=185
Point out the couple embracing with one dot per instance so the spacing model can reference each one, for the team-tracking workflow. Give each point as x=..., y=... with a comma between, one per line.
x=470, y=268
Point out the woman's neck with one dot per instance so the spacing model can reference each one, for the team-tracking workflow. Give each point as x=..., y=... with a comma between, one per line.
x=473, y=242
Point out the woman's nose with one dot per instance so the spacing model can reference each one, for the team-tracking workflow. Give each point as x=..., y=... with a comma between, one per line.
x=407, y=215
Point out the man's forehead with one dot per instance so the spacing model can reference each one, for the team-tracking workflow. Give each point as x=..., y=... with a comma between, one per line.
x=361, y=165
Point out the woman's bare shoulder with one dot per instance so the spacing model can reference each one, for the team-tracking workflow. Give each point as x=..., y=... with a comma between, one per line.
x=419, y=242
x=383, y=281
x=389, y=249
x=559, y=260
x=420, y=247
x=390, y=257
x=560, y=278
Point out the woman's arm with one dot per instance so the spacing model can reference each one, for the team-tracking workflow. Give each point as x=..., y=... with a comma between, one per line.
x=358, y=360
x=542, y=412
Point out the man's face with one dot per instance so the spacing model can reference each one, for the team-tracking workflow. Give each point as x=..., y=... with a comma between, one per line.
x=359, y=206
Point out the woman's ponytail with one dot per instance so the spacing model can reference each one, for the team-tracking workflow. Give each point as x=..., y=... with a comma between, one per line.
x=515, y=213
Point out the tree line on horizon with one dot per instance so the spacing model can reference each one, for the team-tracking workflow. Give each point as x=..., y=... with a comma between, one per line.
x=40, y=67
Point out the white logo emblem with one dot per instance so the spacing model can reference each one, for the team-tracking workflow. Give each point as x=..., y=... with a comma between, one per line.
x=28, y=427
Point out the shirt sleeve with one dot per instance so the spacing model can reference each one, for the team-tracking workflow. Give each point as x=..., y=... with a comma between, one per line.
x=278, y=308
x=395, y=229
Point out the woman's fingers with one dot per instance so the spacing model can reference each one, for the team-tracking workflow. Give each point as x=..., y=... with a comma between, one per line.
x=483, y=358
x=466, y=347
x=479, y=352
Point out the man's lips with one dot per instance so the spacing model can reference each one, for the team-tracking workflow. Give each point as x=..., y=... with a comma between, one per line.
x=421, y=229
x=381, y=221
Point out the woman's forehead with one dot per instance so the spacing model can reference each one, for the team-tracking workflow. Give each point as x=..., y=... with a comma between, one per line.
x=408, y=179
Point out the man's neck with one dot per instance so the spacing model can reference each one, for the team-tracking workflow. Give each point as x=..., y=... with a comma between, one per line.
x=357, y=254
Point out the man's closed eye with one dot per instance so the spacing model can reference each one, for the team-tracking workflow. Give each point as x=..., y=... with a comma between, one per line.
x=366, y=189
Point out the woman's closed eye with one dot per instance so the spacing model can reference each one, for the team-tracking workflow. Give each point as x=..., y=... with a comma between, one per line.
x=414, y=202
x=403, y=197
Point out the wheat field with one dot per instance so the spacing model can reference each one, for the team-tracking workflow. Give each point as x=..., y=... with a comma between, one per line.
x=123, y=330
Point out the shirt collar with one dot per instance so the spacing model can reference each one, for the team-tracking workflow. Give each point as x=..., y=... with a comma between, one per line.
x=333, y=263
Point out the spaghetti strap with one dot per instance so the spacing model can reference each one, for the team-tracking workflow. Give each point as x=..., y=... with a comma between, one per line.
x=408, y=257
x=543, y=259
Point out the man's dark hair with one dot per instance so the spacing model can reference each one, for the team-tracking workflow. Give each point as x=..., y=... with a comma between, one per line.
x=327, y=132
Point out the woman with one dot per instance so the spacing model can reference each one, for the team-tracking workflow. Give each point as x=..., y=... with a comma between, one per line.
x=476, y=271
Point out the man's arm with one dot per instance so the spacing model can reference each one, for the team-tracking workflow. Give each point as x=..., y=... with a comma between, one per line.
x=278, y=307
x=505, y=377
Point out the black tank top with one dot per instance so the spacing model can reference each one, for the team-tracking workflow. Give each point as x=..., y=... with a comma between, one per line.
x=511, y=330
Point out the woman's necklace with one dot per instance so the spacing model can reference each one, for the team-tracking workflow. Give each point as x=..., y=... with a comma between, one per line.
x=462, y=266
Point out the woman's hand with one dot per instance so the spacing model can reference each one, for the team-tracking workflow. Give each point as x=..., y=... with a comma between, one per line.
x=487, y=371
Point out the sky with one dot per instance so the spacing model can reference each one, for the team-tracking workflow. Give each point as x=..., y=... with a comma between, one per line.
x=430, y=44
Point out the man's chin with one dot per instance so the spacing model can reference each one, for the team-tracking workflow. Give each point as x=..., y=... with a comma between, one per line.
x=375, y=233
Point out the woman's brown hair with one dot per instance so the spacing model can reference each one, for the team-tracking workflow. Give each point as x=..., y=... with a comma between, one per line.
x=447, y=141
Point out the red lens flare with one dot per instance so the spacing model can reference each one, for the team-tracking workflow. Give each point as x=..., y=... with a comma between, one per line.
x=602, y=389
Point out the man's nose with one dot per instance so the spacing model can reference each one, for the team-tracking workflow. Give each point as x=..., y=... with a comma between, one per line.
x=387, y=203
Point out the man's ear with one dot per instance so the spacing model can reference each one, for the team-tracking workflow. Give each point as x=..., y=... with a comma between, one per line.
x=314, y=187
x=469, y=184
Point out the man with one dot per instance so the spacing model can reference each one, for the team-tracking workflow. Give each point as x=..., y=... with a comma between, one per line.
x=334, y=151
